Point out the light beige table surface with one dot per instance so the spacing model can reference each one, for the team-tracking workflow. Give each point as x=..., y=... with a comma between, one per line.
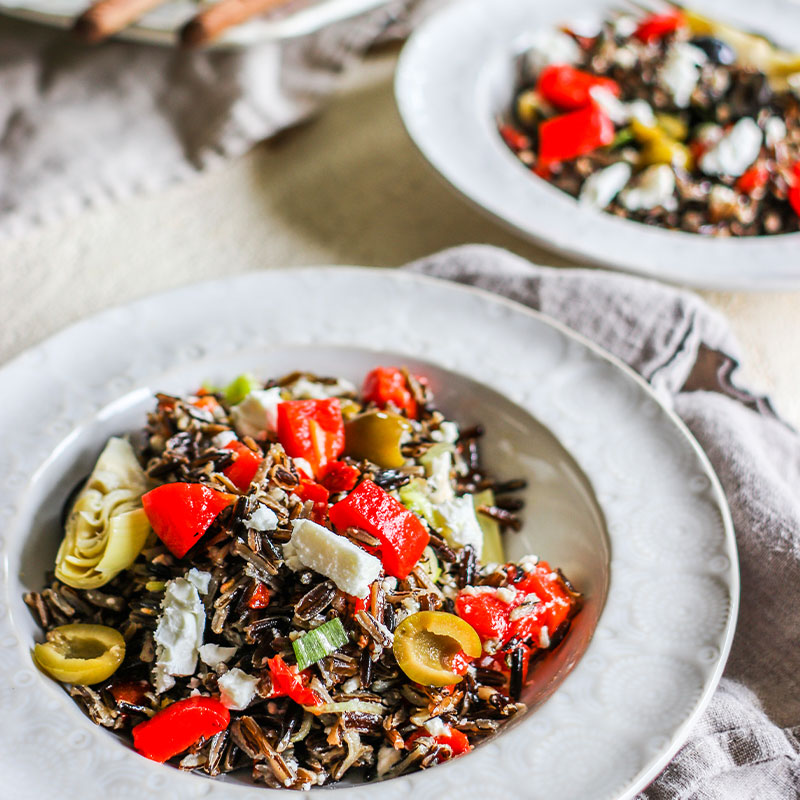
x=348, y=188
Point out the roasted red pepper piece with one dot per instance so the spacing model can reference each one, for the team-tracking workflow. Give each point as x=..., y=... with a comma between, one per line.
x=574, y=134
x=242, y=471
x=317, y=494
x=402, y=535
x=490, y=615
x=130, y=692
x=754, y=178
x=206, y=401
x=312, y=429
x=384, y=385
x=179, y=726
x=656, y=26
x=339, y=477
x=515, y=139
x=181, y=513
x=459, y=663
x=259, y=597
x=568, y=88
x=288, y=682
x=486, y=612
x=794, y=190
x=455, y=739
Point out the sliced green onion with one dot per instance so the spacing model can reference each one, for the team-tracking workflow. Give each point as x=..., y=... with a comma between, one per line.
x=622, y=137
x=320, y=642
x=240, y=387
x=362, y=706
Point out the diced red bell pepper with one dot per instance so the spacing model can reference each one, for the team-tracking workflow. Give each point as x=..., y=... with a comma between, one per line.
x=130, y=692
x=206, y=401
x=459, y=663
x=490, y=615
x=259, y=597
x=384, y=385
x=242, y=471
x=794, y=190
x=574, y=134
x=180, y=513
x=655, y=27
x=360, y=603
x=752, y=179
x=552, y=609
x=339, y=477
x=457, y=741
x=179, y=726
x=486, y=612
x=312, y=429
x=317, y=494
x=288, y=682
x=569, y=89
x=515, y=139
x=402, y=535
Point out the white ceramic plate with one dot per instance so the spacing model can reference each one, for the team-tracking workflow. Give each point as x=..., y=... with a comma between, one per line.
x=637, y=520
x=456, y=75
x=159, y=26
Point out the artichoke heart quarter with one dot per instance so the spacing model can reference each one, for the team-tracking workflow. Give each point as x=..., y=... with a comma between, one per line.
x=107, y=527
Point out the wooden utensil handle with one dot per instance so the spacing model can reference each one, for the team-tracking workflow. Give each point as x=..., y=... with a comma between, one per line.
x=210, y=23
x=107, y=17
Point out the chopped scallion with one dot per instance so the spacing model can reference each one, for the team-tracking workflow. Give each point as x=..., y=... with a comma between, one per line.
x=320, y=642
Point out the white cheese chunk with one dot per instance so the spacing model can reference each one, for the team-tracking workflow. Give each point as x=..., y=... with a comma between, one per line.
x=528, y=562
x=506, y=594
x=681, y=71
x=212, y=655
x=347, y=565
x=620, y=112
x=462, y=524
x=440, y=483
x=262, y=519
x=436, y=727
x=221, y=439
x=654, y=187
x=735, y=151
x=179, y=633
x=600, y=188
x=544, y=637
x=304, y=389
x=257, y=413
x=447, y=432
x=304, y=467
x=774, y=131
x=237, y=689
x=548, y=46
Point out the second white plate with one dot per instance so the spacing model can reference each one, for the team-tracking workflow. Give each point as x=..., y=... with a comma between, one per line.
x=456, y=75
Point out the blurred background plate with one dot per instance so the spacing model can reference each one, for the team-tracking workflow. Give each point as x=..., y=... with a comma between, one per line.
x=457, y=75
x=299, y=18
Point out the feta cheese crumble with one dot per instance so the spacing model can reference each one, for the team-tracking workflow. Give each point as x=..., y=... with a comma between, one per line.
x=681, y=71
x=462, y=523
x=212, y=655
x=548, y=46
x=347, y=565
x=436, y=727
x=620, y=112
x=735, y=151
x=179, y=633
x=257, y=413
x=601, y=187
x=774, y=131
x=237, y=689
x=654, y=187
x=304, y=389
x=221, y=439
x=447, y=432
x=262, y=519
x=439, y=479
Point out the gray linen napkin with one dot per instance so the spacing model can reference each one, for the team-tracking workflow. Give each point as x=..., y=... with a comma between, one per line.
x=747, y=744
x=82, y=126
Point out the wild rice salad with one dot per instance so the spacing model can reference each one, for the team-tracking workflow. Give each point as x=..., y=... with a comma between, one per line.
x=670, y=119
x=299, y=580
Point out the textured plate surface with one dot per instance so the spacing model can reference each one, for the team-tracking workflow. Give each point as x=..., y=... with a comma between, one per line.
x=456, y=75
x=665, y=629
x=159, y=26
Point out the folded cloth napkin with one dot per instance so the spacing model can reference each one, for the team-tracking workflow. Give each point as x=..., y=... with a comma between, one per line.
x=747, y=744
x=84, y=125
